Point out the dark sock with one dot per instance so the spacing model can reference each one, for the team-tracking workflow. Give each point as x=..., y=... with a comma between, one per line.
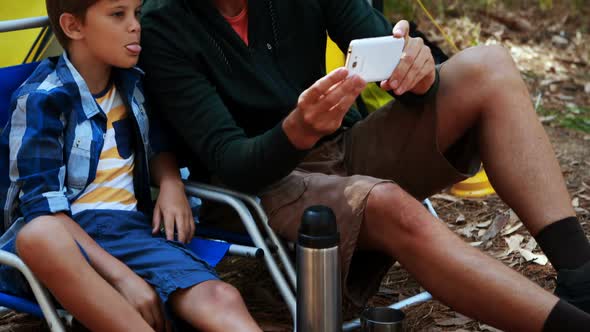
x=565, y=244
x=565, y=317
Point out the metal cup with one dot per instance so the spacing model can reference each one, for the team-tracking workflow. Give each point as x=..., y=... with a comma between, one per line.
x=381, y=319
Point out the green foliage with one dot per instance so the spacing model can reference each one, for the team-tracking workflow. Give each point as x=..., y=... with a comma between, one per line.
x=573, y=117
x=577, y=118
x=400, y=8
x=546, y=4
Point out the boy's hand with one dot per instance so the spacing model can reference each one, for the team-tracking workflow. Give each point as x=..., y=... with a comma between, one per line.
x=415, y=71
x=173, y=212
x=144, y=299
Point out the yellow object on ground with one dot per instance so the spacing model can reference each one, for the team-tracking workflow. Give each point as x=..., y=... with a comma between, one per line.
x=16, y=45
x=474, y=187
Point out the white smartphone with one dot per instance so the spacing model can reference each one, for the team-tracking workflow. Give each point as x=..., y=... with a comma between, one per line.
x=374, y=59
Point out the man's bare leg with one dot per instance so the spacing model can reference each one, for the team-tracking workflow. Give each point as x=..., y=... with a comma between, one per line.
x=482, y=88
x=455, y=273
x=213, y=306
x=54, y=257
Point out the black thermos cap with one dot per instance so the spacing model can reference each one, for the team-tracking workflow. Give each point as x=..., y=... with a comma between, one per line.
x=318, y=228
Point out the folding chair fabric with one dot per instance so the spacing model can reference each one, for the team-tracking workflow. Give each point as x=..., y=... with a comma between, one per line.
x=10, y=79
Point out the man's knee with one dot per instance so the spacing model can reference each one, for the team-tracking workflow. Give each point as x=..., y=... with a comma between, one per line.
x=482, y=64
x=389, y=203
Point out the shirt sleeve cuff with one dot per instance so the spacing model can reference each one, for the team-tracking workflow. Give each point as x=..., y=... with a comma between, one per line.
x=46, y=204
x=284, y=146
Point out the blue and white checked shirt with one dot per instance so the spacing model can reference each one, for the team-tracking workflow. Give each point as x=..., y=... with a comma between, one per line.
x=50, y=147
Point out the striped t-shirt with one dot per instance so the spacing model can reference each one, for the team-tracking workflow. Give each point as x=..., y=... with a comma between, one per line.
x=112, y=188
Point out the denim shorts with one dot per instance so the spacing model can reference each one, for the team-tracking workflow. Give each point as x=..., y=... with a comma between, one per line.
x=126, y=235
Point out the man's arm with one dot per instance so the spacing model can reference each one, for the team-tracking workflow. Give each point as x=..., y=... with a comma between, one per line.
x=191, y=104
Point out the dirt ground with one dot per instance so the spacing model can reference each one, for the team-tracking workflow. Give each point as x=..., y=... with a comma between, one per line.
x=552, y=49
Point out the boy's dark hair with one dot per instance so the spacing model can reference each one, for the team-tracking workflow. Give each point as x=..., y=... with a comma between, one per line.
x=55, y=8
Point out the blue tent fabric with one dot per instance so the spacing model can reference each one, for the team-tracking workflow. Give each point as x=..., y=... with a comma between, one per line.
x=10, y=79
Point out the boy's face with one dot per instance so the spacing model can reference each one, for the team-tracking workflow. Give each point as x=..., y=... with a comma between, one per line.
x=112, y=32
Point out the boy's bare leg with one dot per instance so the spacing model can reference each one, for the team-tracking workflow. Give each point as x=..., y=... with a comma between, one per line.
x=482, y=88
x=54, y=257
x=455, y=273
x=213, y=306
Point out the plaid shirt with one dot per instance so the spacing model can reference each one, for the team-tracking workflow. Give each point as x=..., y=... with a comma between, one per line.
x=50, y=147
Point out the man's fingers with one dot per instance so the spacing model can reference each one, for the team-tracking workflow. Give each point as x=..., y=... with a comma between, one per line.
x=406, y=62
x=411, y=76
x=321, y=86
x=415, y=74
x=344, y=105
x=401, y=29
x=351, y=87
x=336, y=92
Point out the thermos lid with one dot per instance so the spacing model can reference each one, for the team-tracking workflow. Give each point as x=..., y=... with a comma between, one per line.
x=318, y=228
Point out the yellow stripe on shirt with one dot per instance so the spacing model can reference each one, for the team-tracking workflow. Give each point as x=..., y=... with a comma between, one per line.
x=108, y=194
x=113, y=173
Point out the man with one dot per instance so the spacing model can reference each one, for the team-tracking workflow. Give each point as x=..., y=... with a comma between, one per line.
x=243, y=84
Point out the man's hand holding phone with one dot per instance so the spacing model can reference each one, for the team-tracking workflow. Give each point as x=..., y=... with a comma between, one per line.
x=415, y=71
x=321, y=108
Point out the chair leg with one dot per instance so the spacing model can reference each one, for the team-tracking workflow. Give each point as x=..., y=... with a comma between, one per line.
x=283, y=256
x=217, y=195
x=41, y=294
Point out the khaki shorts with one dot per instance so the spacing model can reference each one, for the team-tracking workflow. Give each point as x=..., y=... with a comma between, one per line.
x=397, y=144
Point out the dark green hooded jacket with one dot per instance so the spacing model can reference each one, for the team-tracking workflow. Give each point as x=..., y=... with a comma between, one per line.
x=226, y=100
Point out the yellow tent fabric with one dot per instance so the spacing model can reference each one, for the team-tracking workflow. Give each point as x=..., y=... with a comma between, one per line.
x=15, y=45
x=334, y=57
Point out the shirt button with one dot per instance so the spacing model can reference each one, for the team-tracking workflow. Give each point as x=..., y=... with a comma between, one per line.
x=268, y=46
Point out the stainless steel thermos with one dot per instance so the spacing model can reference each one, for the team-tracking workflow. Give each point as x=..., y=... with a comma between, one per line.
x=319, y=299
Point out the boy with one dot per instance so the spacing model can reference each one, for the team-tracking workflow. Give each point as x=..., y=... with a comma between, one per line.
x=74, y=167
